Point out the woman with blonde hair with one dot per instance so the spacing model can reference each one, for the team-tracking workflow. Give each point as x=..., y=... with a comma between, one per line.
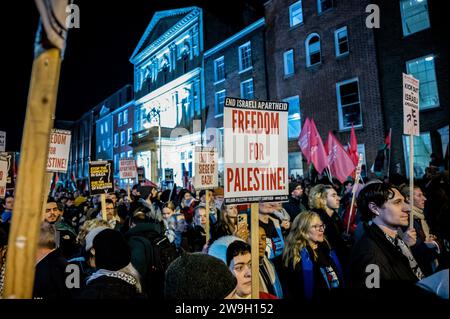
x=312, y=270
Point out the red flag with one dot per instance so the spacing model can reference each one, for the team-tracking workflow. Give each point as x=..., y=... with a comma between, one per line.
x=387, y=140
x=353, y=149
x=304, y=140
x=318, y=154
x=341, y=165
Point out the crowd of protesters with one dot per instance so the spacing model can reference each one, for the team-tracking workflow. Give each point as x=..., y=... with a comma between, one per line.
x=152, y=243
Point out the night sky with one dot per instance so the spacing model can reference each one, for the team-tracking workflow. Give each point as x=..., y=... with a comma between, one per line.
x=96, y=61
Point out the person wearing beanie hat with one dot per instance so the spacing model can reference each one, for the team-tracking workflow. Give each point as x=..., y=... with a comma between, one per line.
x=115, y=277
x=215, y=281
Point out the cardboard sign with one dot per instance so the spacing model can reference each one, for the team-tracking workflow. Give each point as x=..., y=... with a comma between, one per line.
x=168, y=174
x=3, y=177
x=2, y=141
x=206, y=176
x=411, y=125
x=127, y=168
x=101, y=177
x=256, y=148
x=10, y=158
x=58, y=151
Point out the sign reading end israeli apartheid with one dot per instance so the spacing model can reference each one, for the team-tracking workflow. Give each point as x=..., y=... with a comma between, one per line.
x=58, y=151
x=255, y=151
x=127, y=168
x=411, y=124
x=3, y=177
x=206, y=175
x=101, y=177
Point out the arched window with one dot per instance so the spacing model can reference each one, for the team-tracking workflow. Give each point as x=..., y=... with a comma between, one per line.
x=313, y=52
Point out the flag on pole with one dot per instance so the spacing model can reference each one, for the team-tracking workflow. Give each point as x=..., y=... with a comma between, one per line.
x=52, y=30
x=353, y=148
x=318, y=154
x=387, y=140
x=304, y=140
x=340, y=163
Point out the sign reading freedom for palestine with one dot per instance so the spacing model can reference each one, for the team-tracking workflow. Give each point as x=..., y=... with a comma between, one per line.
x=255, y=151
x=101, y=177
x=58, y=151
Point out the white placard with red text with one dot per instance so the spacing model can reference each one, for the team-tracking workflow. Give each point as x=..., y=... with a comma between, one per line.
x=206, y=175
x=58, y=151
x=255, y=151
x=127, y=168
x=3, y=177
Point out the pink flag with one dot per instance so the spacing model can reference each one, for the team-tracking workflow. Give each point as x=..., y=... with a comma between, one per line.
x=318, y=154
x=341, y=165
x=353, y=149
x=304, y=138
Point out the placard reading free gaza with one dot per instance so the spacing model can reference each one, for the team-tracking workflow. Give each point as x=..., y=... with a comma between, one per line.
x=101, y=177
x=255, y=151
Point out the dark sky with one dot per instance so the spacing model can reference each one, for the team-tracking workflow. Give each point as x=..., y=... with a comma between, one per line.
x=96, y=61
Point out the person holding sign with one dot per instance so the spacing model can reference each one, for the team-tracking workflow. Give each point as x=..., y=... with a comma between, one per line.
x=272, y=227
x=312, y=269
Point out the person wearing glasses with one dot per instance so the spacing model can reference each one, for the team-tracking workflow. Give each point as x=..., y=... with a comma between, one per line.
x=312, y=271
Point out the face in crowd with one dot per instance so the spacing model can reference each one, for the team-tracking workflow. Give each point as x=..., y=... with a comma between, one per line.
x=262, y=242
x=316, y=230
x=9, y=203
x=419, y=198
x=265, y=208
x=109, y=211
x=167, y=213
x=200, y=216
x=232, y=211
x=332, y=200
x=297, y=192
x=241, y=267
x=52, y=213
x=393, y=213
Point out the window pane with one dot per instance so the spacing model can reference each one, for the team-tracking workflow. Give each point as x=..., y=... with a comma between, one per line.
x=289, y=62
x=219, y=101
x=219, y=68
x=245, y=55
x=324, y=5
x=422, y=152
x=296, y=14
x=423, y=69
x=247, y=89
x=414, y=16
x=350, y=105
x=342, y=42
x=314, y=50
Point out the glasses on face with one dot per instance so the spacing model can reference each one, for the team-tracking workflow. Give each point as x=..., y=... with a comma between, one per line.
x=318, y=227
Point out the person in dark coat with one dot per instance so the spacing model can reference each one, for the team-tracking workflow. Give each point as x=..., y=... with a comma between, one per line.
x=115, y=278
x=294, y=206
x=323, y=200
x=381, y=259
x=66, y=237
x=50, y=276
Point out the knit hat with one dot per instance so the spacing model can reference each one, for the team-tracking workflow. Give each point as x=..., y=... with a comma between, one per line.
x=91, y=235
x=111, y=250
x=219, y=247
x=198, y=276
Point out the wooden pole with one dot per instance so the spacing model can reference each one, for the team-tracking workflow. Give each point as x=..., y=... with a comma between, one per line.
x=411, y=180
x=254, y=213
x=27, y=217
x=103, y=202
x=128, y=190
x=207, y=226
